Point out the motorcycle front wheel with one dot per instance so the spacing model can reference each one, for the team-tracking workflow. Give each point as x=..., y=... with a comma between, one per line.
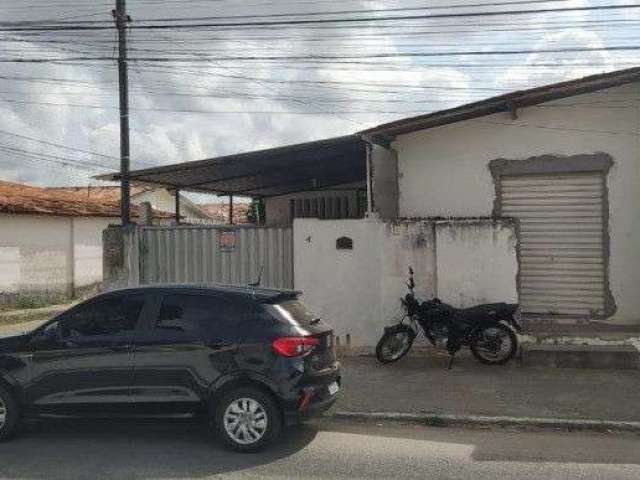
x=494, y=344
x=395, y=344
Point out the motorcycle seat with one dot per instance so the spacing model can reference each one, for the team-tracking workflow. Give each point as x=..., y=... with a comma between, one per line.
x=479, y=312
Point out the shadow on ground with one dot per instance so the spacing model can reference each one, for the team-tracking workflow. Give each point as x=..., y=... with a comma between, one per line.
x=425, y=385
x=70, y=450
x=508, y=445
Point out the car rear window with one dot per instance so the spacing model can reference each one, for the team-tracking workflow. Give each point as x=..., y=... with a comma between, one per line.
x=293, y=312
x=212, y=316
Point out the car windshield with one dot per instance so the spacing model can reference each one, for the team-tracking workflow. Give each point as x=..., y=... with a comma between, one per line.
x=294, y=312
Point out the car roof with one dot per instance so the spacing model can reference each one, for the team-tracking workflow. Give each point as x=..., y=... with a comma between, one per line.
x=259, y=294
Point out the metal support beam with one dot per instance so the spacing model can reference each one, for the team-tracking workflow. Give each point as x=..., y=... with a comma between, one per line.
x=177, y=206
x=369, y=180
x=513, y=110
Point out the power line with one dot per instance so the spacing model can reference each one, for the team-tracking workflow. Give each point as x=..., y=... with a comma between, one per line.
x=284, y=23
x=351, y=12
x=355, y=59
x=55, y=157
x=395, y=18
x=57, y=145
x=64, y=20
x=39, y=159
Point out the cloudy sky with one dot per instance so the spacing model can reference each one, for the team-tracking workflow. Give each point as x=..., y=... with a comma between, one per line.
x=285, y=75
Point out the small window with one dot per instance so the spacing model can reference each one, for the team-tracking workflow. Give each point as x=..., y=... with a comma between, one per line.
x=293, y=312
x=202, y=315
x=108, y=316
x=344, y=243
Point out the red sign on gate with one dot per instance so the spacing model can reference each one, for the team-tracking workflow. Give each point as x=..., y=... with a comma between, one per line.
x=227, y=240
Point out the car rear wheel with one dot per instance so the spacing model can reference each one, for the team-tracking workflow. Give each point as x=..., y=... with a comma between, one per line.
x=247, y=419
x=9, y=414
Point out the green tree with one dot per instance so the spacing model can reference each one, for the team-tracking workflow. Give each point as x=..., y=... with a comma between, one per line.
x=256, y=213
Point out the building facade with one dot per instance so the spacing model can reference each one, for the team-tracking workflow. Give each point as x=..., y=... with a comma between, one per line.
x=535, y=204
x=51, y=241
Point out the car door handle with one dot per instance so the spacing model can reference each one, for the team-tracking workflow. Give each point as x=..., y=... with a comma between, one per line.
x=69, y=344
x=119, y=348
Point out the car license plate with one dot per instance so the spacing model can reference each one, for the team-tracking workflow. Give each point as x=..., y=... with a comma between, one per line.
x=334, y=388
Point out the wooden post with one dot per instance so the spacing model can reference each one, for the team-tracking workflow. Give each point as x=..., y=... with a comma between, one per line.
x=230, y=209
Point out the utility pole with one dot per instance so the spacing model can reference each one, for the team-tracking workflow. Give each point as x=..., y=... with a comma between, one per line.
x=230, y=209
x=122, y=19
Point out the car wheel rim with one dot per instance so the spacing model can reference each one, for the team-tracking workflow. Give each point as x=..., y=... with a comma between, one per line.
x=245, y=421
x=3, y=413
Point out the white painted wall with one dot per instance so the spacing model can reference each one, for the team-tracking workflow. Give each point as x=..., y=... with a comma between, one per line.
x=477, y=262
x=444, y=171
x=357, y=291
x=41, y=253
x=342, y=286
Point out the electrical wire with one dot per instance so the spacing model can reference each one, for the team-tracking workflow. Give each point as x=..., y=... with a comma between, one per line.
x=140, y=24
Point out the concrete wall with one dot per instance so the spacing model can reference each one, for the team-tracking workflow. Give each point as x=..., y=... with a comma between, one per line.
x=384, y=182
x=49, y=255
x=444, y=171
x=277, y=208
x=489, y=248
x=358, y=291
x=343, y=286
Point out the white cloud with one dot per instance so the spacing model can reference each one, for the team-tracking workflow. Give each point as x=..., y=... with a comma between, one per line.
x=559, y=66
x=165, y=137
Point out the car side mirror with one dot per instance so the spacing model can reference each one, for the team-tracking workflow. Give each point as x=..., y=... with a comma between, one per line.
x=49, y=335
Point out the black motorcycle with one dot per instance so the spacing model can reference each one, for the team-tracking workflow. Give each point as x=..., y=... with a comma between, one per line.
x=489, y=330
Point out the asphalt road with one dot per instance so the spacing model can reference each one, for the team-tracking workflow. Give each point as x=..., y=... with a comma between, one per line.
x=340, y=450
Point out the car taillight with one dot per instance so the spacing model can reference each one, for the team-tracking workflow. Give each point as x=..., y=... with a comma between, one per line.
x=295, y=346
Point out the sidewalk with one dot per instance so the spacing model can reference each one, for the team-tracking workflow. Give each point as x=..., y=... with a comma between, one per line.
x=425, y=386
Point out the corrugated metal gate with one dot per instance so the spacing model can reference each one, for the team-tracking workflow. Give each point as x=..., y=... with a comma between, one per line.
x=562, y=254
x=216, y=254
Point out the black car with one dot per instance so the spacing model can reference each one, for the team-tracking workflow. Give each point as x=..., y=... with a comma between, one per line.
x=253, y=360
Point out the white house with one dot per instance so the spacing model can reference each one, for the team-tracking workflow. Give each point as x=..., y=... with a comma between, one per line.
x=160, y=199
x=529, y=197
x=51, y=241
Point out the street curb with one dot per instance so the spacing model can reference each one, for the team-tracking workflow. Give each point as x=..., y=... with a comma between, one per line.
x=443, y=420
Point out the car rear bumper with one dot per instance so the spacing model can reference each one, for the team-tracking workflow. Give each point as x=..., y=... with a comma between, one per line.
x=314, y=399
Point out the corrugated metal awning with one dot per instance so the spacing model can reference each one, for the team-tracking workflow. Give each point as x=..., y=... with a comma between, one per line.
x=265, y=173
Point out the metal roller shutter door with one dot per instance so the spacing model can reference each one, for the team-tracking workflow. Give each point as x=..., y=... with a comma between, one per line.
x=562, y=267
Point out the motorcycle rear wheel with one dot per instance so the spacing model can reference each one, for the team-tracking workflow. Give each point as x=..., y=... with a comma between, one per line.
x=494, y=344
x=395, y=344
